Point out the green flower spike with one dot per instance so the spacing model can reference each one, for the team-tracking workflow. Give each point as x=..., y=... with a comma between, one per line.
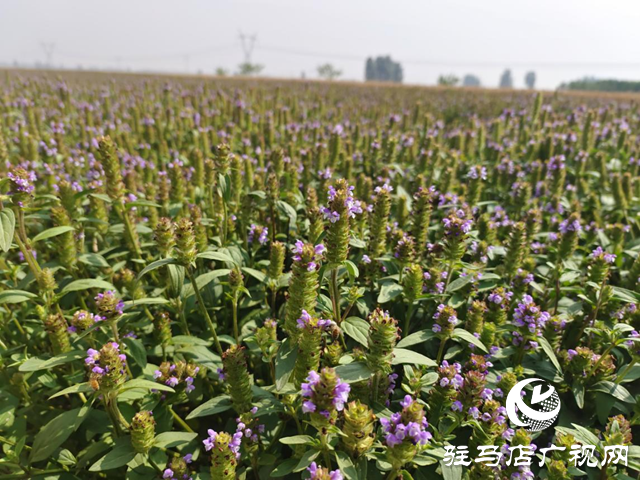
x=143, y=431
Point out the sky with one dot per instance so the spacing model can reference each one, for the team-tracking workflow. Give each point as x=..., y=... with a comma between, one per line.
x=560, y=40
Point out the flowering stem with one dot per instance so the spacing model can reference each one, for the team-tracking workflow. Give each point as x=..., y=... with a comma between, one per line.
x=602, y=357
x=183, y=318
x=182, y=423
x=335, y=296
x=407, y=321
x=234, y=309
x=203, y=309
x=118, y=421
x=129, y=229
x=622, y=374
x=393, y=474
x=325, y=450
x=443, y=342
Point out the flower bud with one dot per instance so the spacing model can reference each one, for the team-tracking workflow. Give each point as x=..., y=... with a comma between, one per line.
x=303, y=285
x=106, y=367
x=309, y=343
x=46, y=281
x=164, y=236
x=143, y=431
x=21, y=185
x=516, y=249
x=162, y=328
x=412, y=282
x=65, y=241
x=185, y=250
x=324, y=395
x=112, y=169
x=109, y=306
x=237, y=377
x=379, y=221
x=56, y=328
x=342, y=207
x=383, y=335
x=277, y=253
x=618, y=431
x=358, y=428
x=225, y=452
x=421, y=215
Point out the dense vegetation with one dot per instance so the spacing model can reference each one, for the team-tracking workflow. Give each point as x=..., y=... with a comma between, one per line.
x=266, y=279
x=597, y=85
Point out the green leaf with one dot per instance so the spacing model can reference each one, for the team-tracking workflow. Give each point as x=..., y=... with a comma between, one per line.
x=453, y=472
x=400, y=356
x=141, y=203
x=352, y=269
x=285, y=468
x=618, y=391
x=145, y=385
x=15, y=296
x=288, y=211
x=220, y=256
x=459, y=282
x=204, y=280
x=136, y=349
x=79, y=388
x=388, y=292
x=416, y=338
x=93, y=259
x=297, y=440
x=356, y=328
x=308, y=457
x=7, y=227
x=145, y=301
x=285, y=360
x=624, y=295
x=346, y=466
x=548, y=349
x=54, y=433
x=221, y=403
x=86, y=284
x=35, y=364
x=353, y=372
x=52, y=232
x=173, y=439
x=468, y=337
x=578, y=394
x=257, y=274
x=121, y=454
x=155, y=265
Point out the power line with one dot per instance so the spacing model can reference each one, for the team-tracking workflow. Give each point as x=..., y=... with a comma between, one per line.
x=449, y=63
x=248, y=44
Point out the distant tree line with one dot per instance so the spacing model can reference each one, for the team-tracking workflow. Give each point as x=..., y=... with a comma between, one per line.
x=382, y=69
x=606, y=85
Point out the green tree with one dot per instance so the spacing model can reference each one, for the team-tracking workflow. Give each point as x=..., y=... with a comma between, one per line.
x=249, y=69
x=449, y=80
x=328, y=71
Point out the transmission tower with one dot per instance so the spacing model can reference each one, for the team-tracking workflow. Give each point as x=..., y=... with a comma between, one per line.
x=248, y=43
x=48, y=48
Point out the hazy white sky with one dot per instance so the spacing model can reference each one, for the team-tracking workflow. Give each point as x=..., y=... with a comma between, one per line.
x=559, y=39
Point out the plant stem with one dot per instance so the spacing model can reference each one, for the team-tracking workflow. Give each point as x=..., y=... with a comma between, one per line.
x=407, y=321
x=203, y=309
x=182, y=423
x=335, y=296
x=443, y=342
x=622, y=374
x=234, y=311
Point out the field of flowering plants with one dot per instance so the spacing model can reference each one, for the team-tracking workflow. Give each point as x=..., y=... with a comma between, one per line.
x=220, y=279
